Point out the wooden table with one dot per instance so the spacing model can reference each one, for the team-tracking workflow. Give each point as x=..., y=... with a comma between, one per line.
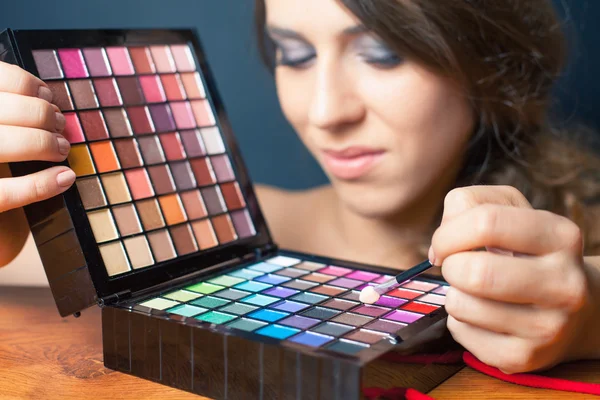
x=43, y=356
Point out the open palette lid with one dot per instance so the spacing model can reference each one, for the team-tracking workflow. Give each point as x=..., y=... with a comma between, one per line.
x=162, y=191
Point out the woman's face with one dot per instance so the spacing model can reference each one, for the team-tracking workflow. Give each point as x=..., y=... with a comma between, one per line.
x=385, y=130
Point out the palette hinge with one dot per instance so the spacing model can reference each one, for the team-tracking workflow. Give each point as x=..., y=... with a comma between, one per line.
x=266, y=250
x=114, y=298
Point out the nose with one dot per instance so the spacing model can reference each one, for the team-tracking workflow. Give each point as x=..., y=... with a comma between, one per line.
x=335, y=102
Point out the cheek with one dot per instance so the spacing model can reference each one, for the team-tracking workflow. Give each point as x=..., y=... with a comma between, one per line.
x=294, y=97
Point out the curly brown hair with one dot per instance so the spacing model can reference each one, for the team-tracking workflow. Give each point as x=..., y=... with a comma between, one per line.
x=506, y=55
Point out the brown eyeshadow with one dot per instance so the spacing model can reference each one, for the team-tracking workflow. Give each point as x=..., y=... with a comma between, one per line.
x=203, y=171
x=91, y=193
x=116, y=119
x=142, y=60
x=60, y=95
x=161, y=179
x=83, y=94
x=224, y=229
x=183, y=239
x=328, y=290
x=205, y=235
x=130, y=89
x=352, y=319
x=129, y=153
x=365, y=336
x=233, y=196
x=127, y=220
x=161, y=245
x=316, y=277
x=150, y=214
x=340, y=304
x=193, y=204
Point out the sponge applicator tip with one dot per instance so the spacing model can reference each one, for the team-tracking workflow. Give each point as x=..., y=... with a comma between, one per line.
x=368, y=295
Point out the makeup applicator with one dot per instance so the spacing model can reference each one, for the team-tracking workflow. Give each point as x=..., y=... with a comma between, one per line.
x=371, y=294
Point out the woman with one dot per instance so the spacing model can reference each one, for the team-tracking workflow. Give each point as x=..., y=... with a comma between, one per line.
x=407, y=105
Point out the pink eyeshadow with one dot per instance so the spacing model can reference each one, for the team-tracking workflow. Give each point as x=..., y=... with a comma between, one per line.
x=383, y=279
x=73, y=132
x=335, y=271
x=183, y=58
x=371, y=311
x=139, y=183
x=120, y=61
x=184, y=118
x=420, y=285
x=203, y=113
x=433, y=299
x=193, y=204
x=163, y=59
x=73, y=64
x=363, y=276
x=442, y=290
x=152, y=88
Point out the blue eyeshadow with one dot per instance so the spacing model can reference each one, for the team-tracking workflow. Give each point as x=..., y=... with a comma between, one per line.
x=186, y=310
x=272, y=279
x=245, y=274
x=264, y=267
x=252, y=286
x=268, y=315
x=290, y=306
x=311, y=339
x=260, y=300
x=309, y=298
x=277, y=331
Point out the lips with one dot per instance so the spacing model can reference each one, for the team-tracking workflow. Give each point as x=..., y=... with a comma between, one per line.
x=352, y=162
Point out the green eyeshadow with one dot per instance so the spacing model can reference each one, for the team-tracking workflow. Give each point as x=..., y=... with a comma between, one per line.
x=182, y=295
x=186, y=310
x=216, y=317
x=210, y=302
x=247, y=325
x=159, y=303
x=238, y=309
x=226, y=280
x=205, y=288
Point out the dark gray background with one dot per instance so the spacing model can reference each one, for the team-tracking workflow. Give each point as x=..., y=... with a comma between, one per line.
x=272, y=151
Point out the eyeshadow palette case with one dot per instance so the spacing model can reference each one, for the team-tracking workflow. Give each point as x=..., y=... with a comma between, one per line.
x=163, y=231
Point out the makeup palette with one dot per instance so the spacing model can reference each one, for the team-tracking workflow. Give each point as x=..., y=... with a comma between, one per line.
x=163, y=230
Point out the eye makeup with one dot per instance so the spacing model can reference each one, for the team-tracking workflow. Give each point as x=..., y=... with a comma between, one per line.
x=163, y=229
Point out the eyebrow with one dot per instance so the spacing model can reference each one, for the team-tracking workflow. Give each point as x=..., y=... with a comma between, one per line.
x=291, y=34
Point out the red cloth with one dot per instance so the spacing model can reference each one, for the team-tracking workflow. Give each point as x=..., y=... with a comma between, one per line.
x=530, y=380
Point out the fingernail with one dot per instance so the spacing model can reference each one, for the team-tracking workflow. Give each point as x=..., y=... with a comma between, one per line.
x=431, y=256
x=63, y=145
x=60, y=122
x=45, y=94
x=65, y=179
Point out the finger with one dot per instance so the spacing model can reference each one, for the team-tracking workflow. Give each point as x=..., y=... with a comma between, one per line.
x=461, y=199
x=508, y=353
x=518, y=320
x=26, y=144
x=538, y=281
x=18, y=192
x=17, y=110
x=18, y=81
x=521, y=230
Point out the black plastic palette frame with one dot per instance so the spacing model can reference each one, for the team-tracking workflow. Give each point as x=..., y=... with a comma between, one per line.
x=186, y=353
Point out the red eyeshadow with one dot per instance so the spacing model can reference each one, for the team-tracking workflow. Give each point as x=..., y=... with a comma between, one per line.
x=419, y=307
x=140, y=120
x=171, y=144
x=404, y=294
x=173, y=87
x=203, y=171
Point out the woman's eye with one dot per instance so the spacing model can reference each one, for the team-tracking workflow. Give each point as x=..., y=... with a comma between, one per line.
x=375, y=52
x=296, y=56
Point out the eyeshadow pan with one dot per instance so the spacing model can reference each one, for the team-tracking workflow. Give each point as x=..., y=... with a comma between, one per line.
x=283, y=261
x=330, y=328
x=193, y=204
x=203, y=171
x=117, y=122
x=131, y=91
x=215, y=317
x=300, y=284
x=83, y=94
x=193, y=85
x=420, y=285
x=238, y=309
x=245, y=273
x=298, y=321
x=183, y=239
x=259, y=300
x=226, y=280
x=345, y=283
x=289, y=306
x=119, y=60
x=310, y=266
x=103, y=225
x=391, y=302
x=162, y=246
x=97, y=62
x=127, y=220
x=309, y=298
x=151, y=150
x=339, y=304
x=247, y=325
x=277, y=331
x=363, y=276
x=321, y=313
x=311, y=339
x=186, y=310
x=161, y=179
x=291, y=272
x=385, y=326
x=372, y=311
x=251, y=286
x=152, y=89
x=383, y=279
x=192, y=141
x=172, y=209
x=173, y=88
x=328, y=290
x=171, y=144
x=268, y=315
x=213, y=200
x=204, y=288
x=243, y=224
x=129, y=153
x=47, y=64
x=162, y=117
x=404, y=293
x=222, y=167
x=139, y=252
x=224, y=229
x=150, y=214
x=210, y=302
x=184, y=179
x=213, y=140
x=159, y=303
x=72, y=132
x=142, y=60
x=60, y=95
x=352, y=319
x=182, y=295
x=233, y=196
x=163, y=59
x=72, y=63
x=406, y=317
x=365, y=336
x=80, y=160
x=231, y=294
x=183, y=58
x=107, y=92
x=140, y=120
x=139, y=183
x=104, y=156
x=421, y=308
x=443, y=289
x=265, y=267
x=346, y=347
x=353, y=295
x=184, y=117
x=434, y=299
x=93, y=126
x=115, y=188
x=316, y=277
x=205, y=235
x=335, y=271
x=272, y=279
x=91, y=193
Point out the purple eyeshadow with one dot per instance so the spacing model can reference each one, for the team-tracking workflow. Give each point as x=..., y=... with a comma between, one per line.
x=311, y=339
x=345, y=283
x=272, y=279
x=290, y=306
x=403, y=316
x=298, y=321
x=280, y=292
x=391, y=302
